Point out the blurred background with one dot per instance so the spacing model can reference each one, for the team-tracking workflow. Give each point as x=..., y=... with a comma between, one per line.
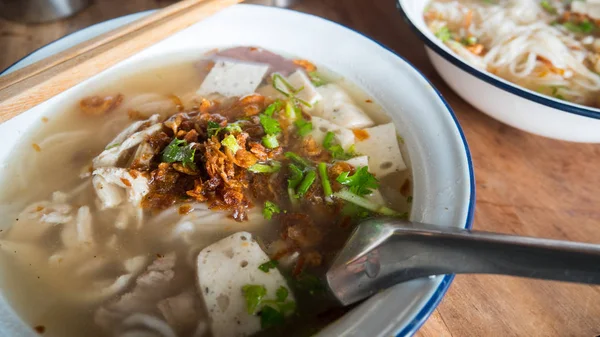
x=378, y=19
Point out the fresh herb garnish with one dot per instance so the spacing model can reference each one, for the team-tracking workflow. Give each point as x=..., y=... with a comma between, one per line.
x=264, y=168
x=213, y=128
x=273, y=107
x=409, y=199
x=304, y=127
x=282, y=294
x=231, y=143
x=288, y=90
x=270, y=124
x=270, y=209
x=309, y=283
x=360, y=183
x=179, y=151
x=296, y=176
x=336, y=150
x=270, y=317
x=582, y=28
x=469, y=41
x=366, y=203
x=292, y=111
x=233, y=128
x=253, y=294
x=306, y=183
x=548, y=7
x=556, y=94
x=327, y=191
x=354, y=211
x=316, y=79
x=112, y=146
x=293, y=181
x=444, y=34
x=297, y=159
x=270, y=141
x=272, y=312
x=268, y=266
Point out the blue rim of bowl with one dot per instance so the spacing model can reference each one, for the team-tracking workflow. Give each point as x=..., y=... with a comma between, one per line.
x=426, y=311
x=511, y=88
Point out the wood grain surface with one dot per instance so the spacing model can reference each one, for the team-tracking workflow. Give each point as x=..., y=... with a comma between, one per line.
x=526, y=184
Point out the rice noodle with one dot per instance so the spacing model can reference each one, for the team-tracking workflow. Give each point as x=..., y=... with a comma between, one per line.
x=520, y=40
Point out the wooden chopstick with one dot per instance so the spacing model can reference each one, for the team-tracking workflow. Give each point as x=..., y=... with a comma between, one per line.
x=34, y=84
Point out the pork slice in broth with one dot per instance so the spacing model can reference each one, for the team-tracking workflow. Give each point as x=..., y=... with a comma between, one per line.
x=160, y=302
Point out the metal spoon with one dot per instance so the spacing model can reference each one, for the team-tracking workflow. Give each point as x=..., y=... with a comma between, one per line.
x=382, y=252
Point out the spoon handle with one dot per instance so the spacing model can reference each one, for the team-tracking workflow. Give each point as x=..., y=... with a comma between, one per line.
x=383, y=252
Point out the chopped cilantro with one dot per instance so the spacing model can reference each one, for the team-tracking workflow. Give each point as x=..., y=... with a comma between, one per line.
x=179, y=151
x=360, y=183
x=268, y=266
x=264, y=168
x=270, y=317
x=409, y=199
x=282, y=294
x=270, y=124
x=273, y=107
x=443, y=34
x=304, y=127
x=231, y=143
x=271, y=312
x=213, y=128
x=253, y=294
x=270, y=141
x=287, y=307
x=270, y=209
x=316, y=79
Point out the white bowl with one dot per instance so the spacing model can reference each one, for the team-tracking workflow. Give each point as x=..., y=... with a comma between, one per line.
x=443, y=173
x=505, y=101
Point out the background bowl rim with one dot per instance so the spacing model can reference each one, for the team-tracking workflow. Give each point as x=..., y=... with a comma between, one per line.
x=435, y=298
x=572, y=108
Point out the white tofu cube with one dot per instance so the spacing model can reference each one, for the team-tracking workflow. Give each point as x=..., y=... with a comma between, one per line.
x=382, y=149
x=337, y=107
x=358, y=161
x=224, y=268
x=233, y=78
x=298, y=80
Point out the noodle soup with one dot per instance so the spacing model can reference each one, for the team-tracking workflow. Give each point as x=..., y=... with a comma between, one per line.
x=201, y=197
x=548, y=46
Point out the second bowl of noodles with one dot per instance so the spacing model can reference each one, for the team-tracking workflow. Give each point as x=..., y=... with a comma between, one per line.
x=527, y=63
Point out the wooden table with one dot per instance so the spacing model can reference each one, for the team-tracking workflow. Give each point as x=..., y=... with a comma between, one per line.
x=525, y=184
